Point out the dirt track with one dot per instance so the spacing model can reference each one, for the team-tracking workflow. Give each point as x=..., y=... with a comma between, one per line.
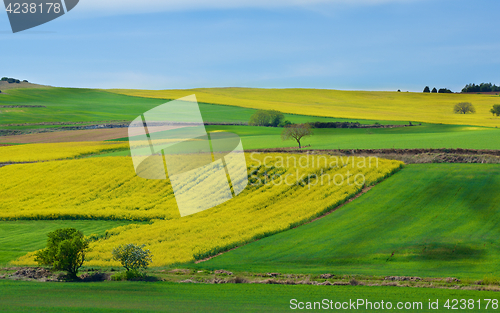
x=68, y=136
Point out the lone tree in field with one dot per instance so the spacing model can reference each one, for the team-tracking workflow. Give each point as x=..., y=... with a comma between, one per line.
x=495, y=110
x=65, y=251
x=297, y=132
x=427, y=89
x=132, y=257
x=464, y=108
x=434, y=90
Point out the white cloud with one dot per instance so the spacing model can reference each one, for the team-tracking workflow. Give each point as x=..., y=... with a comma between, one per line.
x=145, y=6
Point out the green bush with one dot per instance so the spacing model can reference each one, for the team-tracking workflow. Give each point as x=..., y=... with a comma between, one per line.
x=132, y=257
x=285, y=123
x=490, y=280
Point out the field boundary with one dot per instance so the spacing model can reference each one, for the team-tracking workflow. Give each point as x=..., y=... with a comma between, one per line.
x=408, y=156
x=380, y=151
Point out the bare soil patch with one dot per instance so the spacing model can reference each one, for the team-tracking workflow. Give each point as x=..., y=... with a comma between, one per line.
x=408, y=156
x=68, y=136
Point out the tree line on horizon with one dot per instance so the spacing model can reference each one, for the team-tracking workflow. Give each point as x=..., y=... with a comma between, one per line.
x=483, y=87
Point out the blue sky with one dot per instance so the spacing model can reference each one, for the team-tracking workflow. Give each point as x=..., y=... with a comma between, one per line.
x=337, y=44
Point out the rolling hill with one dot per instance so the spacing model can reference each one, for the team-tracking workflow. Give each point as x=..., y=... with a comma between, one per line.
x=378, y=105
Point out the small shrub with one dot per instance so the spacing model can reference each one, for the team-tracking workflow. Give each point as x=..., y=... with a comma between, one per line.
x=129, y=275
x=353, y=282
x=132, y=257
x=490, y=280
x=285, y=123
x=238, y=280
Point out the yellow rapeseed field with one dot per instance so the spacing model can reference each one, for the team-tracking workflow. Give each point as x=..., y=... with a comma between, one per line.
x=95, y=188
x=55, y=151
x=378, y=105
x=284, y=190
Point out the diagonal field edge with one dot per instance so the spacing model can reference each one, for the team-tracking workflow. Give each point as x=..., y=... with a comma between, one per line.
x=356, y=196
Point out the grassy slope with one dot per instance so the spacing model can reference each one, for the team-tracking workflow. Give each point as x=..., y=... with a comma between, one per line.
x=71, y=105
x=439, y=220
x=85, y=105
x=168, y=297
x=20, y=237
x=400, y=106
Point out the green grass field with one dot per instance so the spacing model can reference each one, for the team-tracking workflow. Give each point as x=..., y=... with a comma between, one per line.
x=437, y=221
x=417, y=137
x=167, y=297
x=20, y=237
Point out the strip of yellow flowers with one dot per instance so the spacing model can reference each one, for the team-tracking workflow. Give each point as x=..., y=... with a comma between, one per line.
x=284, y=190
x=56, y=151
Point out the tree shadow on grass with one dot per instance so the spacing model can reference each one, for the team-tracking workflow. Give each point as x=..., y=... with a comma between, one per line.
x=449, y=252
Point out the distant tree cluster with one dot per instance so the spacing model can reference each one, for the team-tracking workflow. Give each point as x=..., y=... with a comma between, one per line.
x=271, y=118
x=11, y=80
x=483, y=87
x=434, y=90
